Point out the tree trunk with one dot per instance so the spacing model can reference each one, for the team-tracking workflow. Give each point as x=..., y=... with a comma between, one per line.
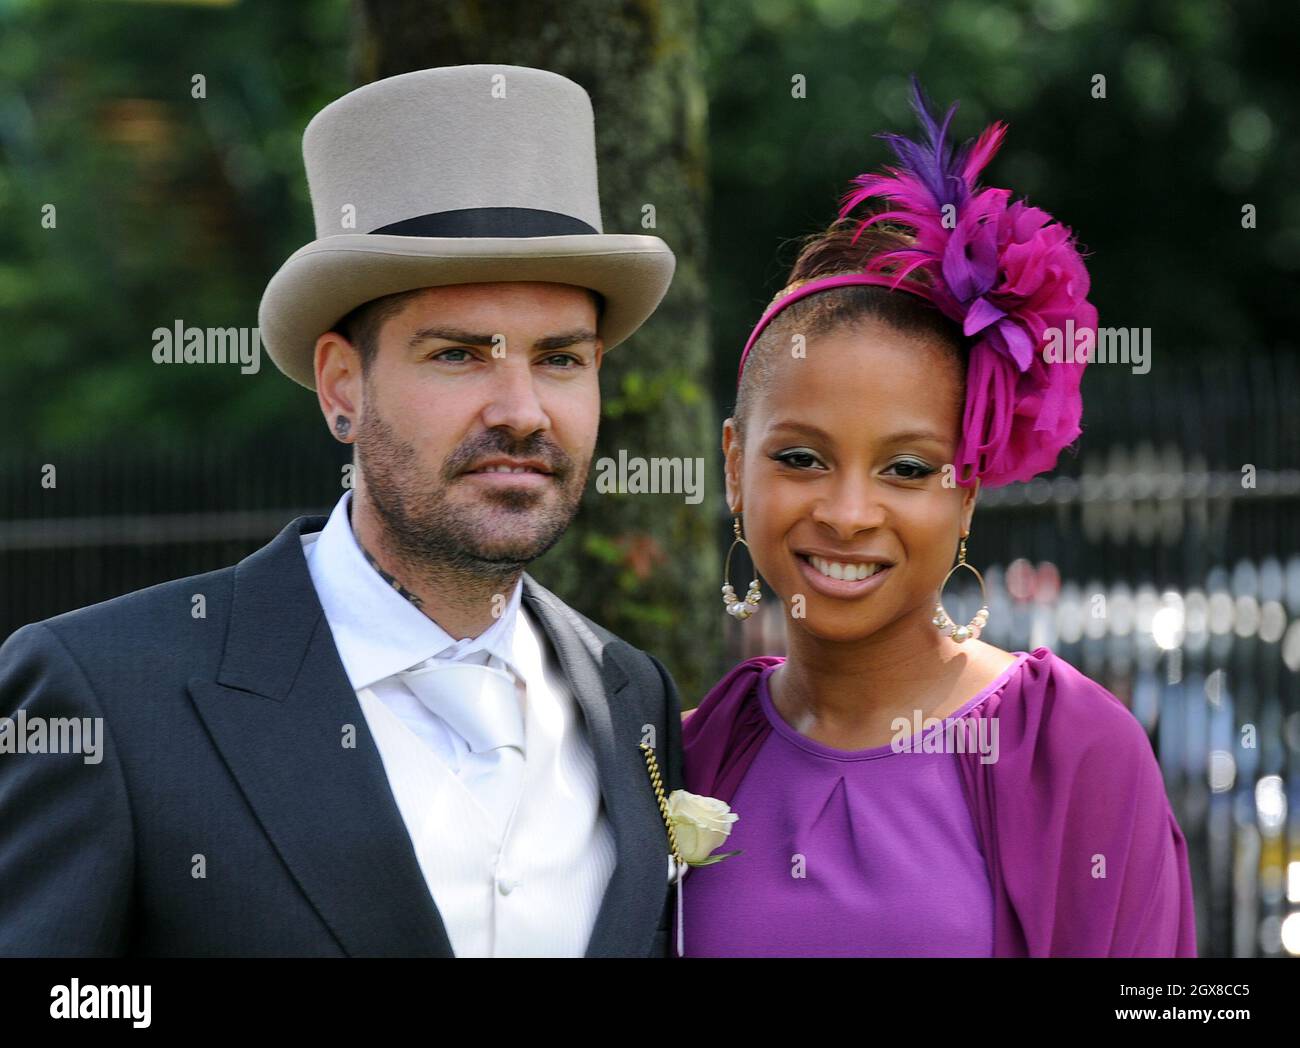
x=645, y=566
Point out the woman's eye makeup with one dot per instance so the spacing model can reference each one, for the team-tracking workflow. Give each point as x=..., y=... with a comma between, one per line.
x=798, y=458
x=803, y=459
x=912, y=469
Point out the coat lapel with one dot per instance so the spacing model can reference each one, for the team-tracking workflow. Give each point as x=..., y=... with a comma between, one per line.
x=282, y=708
x=282, y=712
x=615, y=721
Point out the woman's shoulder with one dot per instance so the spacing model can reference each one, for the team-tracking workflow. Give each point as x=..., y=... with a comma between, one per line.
x=988, y=663
x=737, y=683
x=1076, y=711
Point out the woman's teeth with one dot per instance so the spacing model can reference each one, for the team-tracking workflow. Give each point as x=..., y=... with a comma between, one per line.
x=845, y=572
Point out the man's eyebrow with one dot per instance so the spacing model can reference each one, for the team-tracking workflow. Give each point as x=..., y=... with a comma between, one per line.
x=566, y=339
x=893, y=438
x=472, y=338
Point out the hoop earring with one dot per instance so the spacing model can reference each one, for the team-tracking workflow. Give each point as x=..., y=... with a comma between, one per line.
x=738, y=609
x=977, y=624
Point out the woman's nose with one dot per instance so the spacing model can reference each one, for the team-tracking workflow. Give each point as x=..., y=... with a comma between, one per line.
x=852, y=504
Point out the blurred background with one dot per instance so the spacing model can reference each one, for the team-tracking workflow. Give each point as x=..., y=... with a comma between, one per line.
x=150, y=173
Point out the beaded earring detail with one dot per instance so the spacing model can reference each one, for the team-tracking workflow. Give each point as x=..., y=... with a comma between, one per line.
x=973, y=628
x=736, y=608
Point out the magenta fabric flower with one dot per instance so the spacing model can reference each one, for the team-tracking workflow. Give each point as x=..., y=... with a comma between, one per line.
x=1010, y=274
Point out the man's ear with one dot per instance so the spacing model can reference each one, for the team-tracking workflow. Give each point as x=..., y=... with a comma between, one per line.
x=338, y=384
x=731, y=453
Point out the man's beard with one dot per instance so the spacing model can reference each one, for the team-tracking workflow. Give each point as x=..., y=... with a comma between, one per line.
x=492, y=539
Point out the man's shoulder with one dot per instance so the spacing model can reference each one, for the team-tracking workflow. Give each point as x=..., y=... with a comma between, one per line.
x=167, y=613
x=155, y=616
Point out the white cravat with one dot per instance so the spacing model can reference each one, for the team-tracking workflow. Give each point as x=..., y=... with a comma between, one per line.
x=482, y=704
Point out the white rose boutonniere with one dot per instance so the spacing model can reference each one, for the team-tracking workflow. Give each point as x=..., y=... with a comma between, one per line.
x=701, y=826
x=697, y=826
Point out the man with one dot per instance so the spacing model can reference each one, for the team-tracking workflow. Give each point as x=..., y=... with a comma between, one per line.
x=377, y=736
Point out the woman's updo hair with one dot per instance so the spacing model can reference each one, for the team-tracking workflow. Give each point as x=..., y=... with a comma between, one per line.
x=828, y=253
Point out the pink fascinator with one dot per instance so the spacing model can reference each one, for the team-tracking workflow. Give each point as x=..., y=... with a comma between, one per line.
x=1007, y=272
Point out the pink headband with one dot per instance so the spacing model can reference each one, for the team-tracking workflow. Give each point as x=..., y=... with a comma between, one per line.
x=1009, y=273
x=822, y=284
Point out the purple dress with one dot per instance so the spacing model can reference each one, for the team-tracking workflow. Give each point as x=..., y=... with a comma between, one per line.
x=847, y=853
x=1067, y=841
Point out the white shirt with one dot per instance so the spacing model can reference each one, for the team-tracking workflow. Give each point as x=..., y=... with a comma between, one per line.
x=558, y=846
x=379, y=633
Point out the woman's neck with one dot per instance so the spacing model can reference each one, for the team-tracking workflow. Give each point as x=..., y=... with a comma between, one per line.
x=844, y=692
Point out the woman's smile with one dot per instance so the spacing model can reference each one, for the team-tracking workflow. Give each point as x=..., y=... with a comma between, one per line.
x=843, y=579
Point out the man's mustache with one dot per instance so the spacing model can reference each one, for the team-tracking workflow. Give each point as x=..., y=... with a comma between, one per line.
x=496, y=442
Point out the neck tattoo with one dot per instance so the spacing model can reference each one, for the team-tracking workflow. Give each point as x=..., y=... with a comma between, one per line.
x=417, y=601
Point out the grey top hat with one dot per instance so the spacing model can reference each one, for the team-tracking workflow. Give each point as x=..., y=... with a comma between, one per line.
x=458, y=175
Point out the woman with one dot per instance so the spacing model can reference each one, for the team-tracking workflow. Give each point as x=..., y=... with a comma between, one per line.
x=908, y=363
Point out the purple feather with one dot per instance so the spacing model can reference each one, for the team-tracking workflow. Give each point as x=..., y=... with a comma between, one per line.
x=934, y=163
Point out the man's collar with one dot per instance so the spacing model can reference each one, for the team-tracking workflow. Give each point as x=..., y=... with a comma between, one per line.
x=377, y=631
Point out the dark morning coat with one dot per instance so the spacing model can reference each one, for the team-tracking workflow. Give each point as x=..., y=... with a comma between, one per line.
x=223, y=740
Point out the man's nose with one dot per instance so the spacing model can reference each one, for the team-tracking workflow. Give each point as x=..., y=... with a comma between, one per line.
x=513, y=402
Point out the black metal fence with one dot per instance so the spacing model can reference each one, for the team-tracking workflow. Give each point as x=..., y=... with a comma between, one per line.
x=83, y=526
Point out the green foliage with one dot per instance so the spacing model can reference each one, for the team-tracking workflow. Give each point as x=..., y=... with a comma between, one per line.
x=1199, y=119
x=167, y=206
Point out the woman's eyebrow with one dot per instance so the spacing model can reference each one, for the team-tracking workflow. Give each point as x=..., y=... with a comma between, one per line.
x=916, y=434
x=901, y=437
x=802, y=427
